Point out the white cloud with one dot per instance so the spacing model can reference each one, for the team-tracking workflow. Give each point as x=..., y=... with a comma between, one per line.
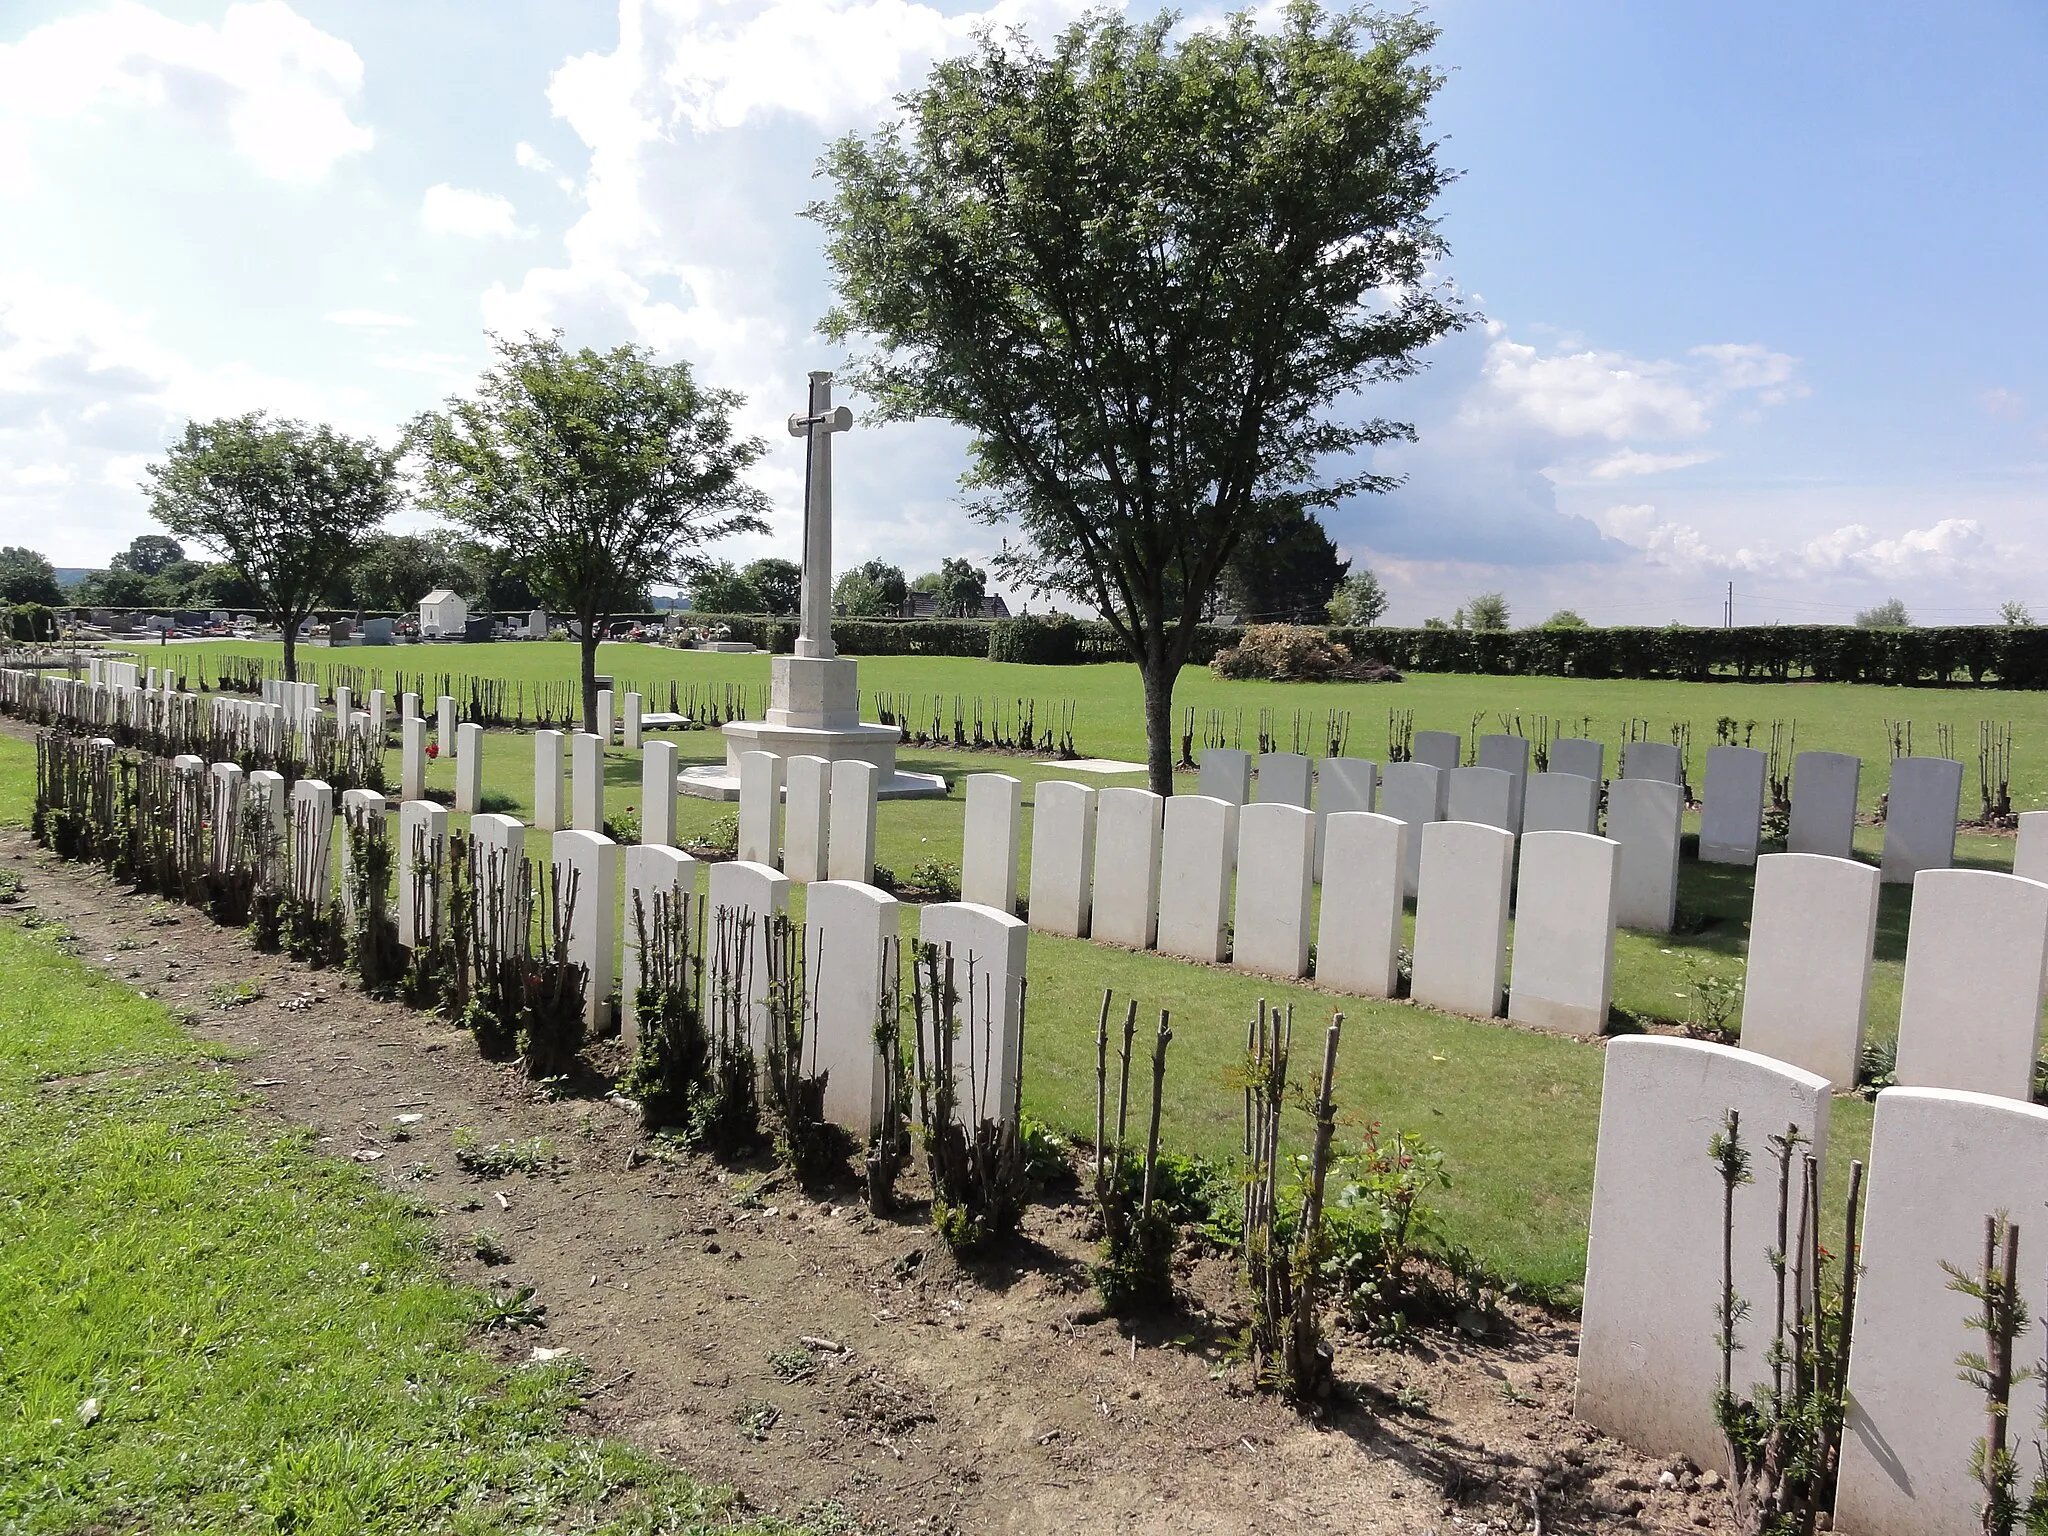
x=447, y=210
x=267, y=81
x=368, y=319
x=1953, y=547
x=2002, y=403
x=1597, y=394
x=1629, y=461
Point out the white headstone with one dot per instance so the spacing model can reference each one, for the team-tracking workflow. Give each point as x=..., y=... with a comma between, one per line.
x=2030, y=851
x=1125, y=904
x=806, y=820
x=225, y=812
x=634, y=705
x=760, y=807
x=658, y=793
x=1358, y=941
x=412, y=759
x=1648, y=1364
x=344, y=706
x=1563, y=976
x=1443, y=751
x=990, y=952
x=1732, y=805
x=1824, y=804
x=497, y=849
x=444, y=726
x=745, y=888
x=1812, y=923
x=408, y=707
x=1197, y=858
x=548, y=804
x=1970, y=1008
x=1227, y=775
x=591, y=861
x=422, y=853
x=586, y=782
x=265, y=795
x=993, y=842
x=607, y=722
x=1484, y=795
x=1342, y=784
x=1276, y=851
x=652, y=869
x=1940, y=1162
x=850, y=933
x=1510, y=754
x=1651, y=760
x=1645, y=816
x=1062, y=857
x=362, y=815
x=1412, y=793
x=1576, y=755
x=1283, y=778
x=1461, y=917
x=469, y=767
x=1560, y=802
x=380, y=709
x=1920, y=812
x=852, y=854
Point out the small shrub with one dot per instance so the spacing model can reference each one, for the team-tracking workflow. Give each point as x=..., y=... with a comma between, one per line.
x=1713, y=999
x=623, y=828
x=488, y=1249
x=498, y=1158
x=938, y=879
x=1296, y=653
x=724, y=835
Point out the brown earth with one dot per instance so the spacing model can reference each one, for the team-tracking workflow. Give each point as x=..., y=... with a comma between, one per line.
x=932, y=1398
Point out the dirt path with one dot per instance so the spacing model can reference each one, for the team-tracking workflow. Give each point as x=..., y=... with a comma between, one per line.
x=951, y=1401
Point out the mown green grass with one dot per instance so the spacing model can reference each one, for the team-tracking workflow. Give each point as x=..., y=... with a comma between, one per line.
x=204, y=1328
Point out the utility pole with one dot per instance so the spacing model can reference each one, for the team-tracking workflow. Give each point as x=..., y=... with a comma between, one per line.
x=1728, y=608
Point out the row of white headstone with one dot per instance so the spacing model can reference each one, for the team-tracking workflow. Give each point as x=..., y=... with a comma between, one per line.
x=1941, y=1161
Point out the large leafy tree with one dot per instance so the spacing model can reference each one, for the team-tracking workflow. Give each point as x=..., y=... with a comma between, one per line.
x=717, y=586
x=780, y=583
x=149, y=554
x=599, y=472
x=27, y=577
x=1139, y=269
x=287, y=505
x=870, y=590
x=1288, y=576
x=958, y=586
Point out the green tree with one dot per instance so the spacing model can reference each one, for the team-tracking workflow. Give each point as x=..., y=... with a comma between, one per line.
x=870, y=590
x=2015, y=615
x=1140, y=269
x=780, y=583
x=148, y=554
x=600, y=472
x=399, y=569
x=958, y=586
x=1360, y=600
x=115, y=587
x=26, y=577
x=717, y=586
x=1565, y=618
x=1489, y=610
x=1889, y=614
x=221, y=586
x=288, y=505
x=1288, y=576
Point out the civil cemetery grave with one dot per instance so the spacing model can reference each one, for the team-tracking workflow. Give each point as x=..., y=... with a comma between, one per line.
x=1703, y=879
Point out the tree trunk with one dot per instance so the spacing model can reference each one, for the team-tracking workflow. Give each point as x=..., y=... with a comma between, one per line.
x=291, y=649
x=588, y=642
x=1158, y=676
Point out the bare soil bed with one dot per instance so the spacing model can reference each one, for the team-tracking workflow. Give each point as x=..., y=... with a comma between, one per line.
x=809, y=1354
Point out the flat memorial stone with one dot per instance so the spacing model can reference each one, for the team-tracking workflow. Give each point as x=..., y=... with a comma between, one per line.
x=1484, y=795
x=1126, y=896
x=1358, y=942
x=1645, y=816
x=1283, y=778
x=1561, y=802
x=1921, y=807
x=1197, y=859
x=1563, y=976
x=1410, y=793
x=1732, y=805
x=1276, y=850
x=1342, y=784
x=1806, y=991
x=851, y=933
x=1648, y=1365
x=1062, y=857
x=993, y=844
x=1227, y=775
x=1970, y=1008
x=1940, y=1162
x=1824, y=804
x=1461, y=916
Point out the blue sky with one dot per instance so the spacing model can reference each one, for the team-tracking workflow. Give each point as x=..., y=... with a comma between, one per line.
x=1762, y=283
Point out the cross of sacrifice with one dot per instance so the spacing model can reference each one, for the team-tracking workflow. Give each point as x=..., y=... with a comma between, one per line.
x=814, y=630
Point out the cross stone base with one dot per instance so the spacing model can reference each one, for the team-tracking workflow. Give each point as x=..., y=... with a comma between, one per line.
x=816, y=693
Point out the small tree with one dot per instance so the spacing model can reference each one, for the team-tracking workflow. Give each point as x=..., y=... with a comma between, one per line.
x=2015, y=615
x=1361, y=600
x=780, y=583
x=958, y=585
x=1139, y=269
x=870, y=590
x=288, y=505
x=1889, y=614
x=1487, y=611
x=26, y=577
x=717, y=586
x=1565, y=618
x=601, y=473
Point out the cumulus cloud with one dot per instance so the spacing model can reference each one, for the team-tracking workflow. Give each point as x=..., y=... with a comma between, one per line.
x=1633, y=461
x=447, y=210
x=266, y=81
x=1951, y=548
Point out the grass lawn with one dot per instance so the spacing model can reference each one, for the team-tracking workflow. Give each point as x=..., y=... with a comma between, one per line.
x=204, y=1328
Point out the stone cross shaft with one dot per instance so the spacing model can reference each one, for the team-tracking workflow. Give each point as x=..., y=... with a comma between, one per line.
x=814, y=632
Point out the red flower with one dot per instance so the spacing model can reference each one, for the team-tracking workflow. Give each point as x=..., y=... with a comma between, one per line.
x=432, y=751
